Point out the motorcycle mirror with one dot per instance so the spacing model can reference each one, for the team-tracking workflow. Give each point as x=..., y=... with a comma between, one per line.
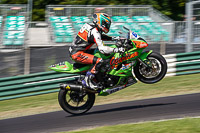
x=120, y=32
x=118, y=43
x=126, y=28
x=125, y=43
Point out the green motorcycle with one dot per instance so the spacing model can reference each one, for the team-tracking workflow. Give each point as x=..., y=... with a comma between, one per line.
x=118, y=73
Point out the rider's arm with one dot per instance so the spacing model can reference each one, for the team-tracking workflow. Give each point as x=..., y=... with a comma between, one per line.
x=102, y=48
x=105, y=37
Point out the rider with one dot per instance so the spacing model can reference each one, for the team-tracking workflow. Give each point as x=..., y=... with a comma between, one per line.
x=88, y=35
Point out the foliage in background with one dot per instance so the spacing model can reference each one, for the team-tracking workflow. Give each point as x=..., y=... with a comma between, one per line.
x=174, y=9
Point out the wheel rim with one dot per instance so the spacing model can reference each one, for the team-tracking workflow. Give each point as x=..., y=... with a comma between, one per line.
x=154, y=71
x=75, y=99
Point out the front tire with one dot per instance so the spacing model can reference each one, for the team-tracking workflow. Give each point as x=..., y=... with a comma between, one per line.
x=156, y=73
x=75, y=102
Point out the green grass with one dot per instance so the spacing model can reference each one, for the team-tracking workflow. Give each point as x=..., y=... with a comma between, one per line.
x=45, y=103
x=169, y=86
x=187, y=125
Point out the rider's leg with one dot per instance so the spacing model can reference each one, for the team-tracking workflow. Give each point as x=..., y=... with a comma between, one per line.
x=97, y=62
x=83, y=58
x=86, y=58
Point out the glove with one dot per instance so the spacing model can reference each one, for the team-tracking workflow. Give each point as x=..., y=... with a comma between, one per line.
x=120, y=50
x=115, y=38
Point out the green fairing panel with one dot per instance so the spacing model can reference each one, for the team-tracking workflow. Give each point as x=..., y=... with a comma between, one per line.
x=68, y=68
x=100, y=55
x=120, y=83
x=121, y=73
x=144, y=55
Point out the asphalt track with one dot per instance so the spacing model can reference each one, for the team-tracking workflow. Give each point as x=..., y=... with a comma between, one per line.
x=110, y=114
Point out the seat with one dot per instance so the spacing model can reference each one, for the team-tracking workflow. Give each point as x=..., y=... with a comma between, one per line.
x=59, y=19
x=18, y=41
x=14, y=30
x=7, y=42
x=79, y=65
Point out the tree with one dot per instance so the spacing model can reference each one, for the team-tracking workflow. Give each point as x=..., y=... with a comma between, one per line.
x=172, y=8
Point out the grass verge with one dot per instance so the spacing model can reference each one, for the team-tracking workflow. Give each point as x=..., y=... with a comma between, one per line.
x=186, y=125
x=46, y=103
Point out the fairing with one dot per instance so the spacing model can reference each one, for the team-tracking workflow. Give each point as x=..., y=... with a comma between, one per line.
x=68, y=68
x=121, y=64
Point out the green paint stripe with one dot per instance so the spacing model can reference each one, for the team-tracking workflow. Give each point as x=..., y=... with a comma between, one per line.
x=188, y=64
x=187, y=68
x=29, y=94
x=30, y=75
x=186, y=73
x=35, y=79
x=27, y=76
x=29, y=90
x=188, y=58
x=21, y=86
x=188, y=54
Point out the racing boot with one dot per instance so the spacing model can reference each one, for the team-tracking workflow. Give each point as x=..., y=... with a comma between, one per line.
x=89, y=82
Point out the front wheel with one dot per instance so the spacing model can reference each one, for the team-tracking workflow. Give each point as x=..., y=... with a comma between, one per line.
x=154, y=74
x=75, y=102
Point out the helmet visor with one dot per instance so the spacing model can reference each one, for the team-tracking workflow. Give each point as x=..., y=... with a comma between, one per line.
x=106, y=25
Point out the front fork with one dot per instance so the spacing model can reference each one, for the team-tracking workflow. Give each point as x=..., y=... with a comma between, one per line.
x=146, y=63
x=144, y=60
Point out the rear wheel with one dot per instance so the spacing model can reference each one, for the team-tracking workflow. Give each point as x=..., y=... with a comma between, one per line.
x=75, y=102
x=153, y=74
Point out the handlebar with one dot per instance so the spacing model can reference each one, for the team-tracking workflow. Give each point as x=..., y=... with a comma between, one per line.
x=123, y=42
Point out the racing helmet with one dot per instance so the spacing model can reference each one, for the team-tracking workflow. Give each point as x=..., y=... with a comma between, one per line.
x=102, y=21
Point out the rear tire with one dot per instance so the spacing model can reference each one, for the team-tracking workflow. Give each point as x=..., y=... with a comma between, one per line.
x=73, y=103
x=159, y=69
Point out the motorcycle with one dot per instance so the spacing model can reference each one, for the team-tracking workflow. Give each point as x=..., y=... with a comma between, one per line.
x=118, y=73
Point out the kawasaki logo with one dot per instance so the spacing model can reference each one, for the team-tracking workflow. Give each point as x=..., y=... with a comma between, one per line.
x=121, y=59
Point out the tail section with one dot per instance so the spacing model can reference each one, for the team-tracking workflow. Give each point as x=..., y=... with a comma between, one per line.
x=69, y=68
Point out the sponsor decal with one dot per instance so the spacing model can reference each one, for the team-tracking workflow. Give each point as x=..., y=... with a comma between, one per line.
x=61, y=63
x=68, y=87
x=53, y=65
x=140, y=44
x=64, y=66
x=127, y=66
x=110, y=91
x=116, y=61
x=81, y=57
x=134, y=34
